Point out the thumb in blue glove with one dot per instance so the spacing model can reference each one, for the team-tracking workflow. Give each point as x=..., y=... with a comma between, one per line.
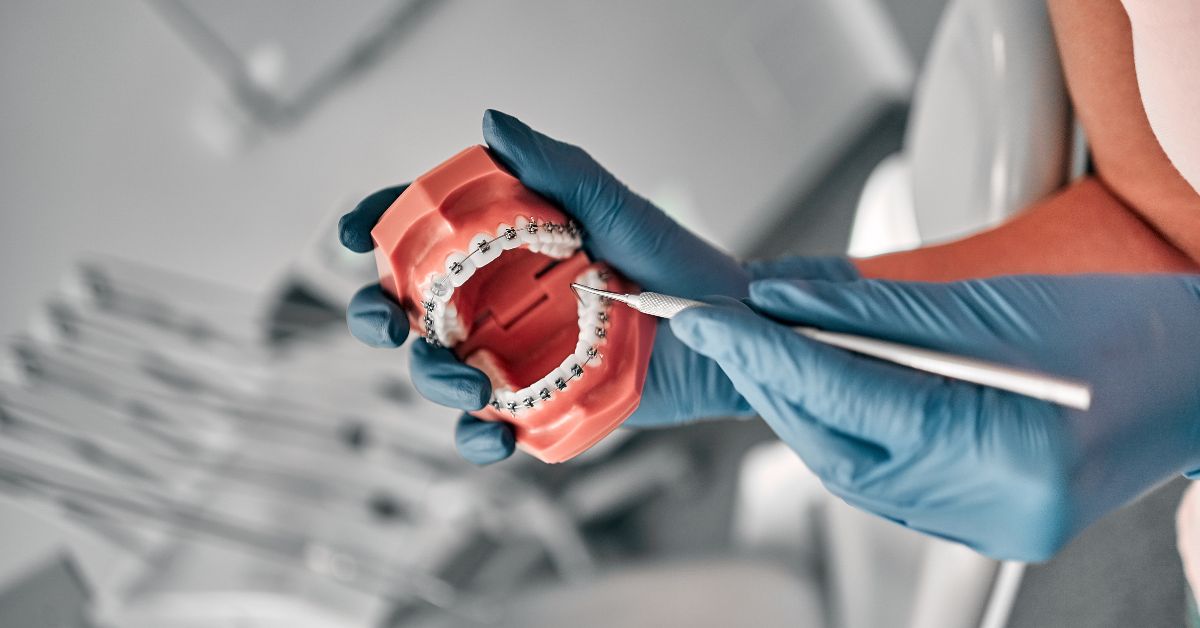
x=1010, y=476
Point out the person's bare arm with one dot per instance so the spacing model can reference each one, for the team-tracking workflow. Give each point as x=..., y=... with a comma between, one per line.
x=1081, y=229
x=1136, y=215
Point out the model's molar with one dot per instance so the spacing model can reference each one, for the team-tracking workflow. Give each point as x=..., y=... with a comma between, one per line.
x=507, y=237
x=449, y=326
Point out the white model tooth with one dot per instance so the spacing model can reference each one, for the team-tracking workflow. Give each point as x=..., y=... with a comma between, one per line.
x=574, y=241
x=458, y=268
x=593, y=279
x=508, y=238
x=573, y=366
x=527, y=397
x=588, y=278
x=449, y=326
x=587, y=331
x=546, y=241
x=521, y=224
x=568, y=247
x=439, y=325
x=555, y=376
x=590, y=310
x=505, y=396
x=485, y=251
x=547, y=384
x=440, y=288
x=567, y=371
x=589, y=305
x=581, y=352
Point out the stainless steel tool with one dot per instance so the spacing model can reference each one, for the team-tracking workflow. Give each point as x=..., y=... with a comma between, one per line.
x=1065, y=392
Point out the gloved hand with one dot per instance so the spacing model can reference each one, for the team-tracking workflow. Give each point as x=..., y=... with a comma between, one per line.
x=1010, y=476
x=619, y=227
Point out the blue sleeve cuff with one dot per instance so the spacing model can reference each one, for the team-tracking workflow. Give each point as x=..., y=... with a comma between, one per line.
x=832, y=268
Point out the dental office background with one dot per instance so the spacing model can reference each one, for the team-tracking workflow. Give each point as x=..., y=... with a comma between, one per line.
x=174, y=453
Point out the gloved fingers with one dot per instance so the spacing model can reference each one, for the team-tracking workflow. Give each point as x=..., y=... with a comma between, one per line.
x=683, y=386
x=619, y=226
x=837, y=458
x=861, y=397
x=561, y=172
x=441, y=378
x=963, y=317
x=354, y=228
x=483, y=442
x=375, y=319
x=832, y=268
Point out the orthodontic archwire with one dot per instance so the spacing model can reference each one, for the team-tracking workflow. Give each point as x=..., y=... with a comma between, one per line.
x=560, y=384
x=438, y=287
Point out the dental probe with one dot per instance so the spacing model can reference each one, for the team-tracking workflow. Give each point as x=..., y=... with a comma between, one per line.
x=1065, y=392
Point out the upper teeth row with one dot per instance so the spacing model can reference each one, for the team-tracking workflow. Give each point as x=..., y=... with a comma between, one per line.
x=593, y=332
x=441, y=323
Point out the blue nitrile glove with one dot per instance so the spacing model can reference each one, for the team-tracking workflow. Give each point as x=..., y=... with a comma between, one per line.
x=620, y=227
x=1007, y=475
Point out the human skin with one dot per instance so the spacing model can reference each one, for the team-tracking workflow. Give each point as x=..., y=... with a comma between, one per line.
x=1136, y=214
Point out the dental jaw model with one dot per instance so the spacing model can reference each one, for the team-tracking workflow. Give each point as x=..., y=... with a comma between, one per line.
x=483, y=266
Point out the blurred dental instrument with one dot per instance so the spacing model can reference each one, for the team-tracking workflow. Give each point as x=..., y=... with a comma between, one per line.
x=203, y=434
x=1062, y=391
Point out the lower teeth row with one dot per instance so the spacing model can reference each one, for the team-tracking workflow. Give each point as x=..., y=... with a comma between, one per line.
x=593, y=331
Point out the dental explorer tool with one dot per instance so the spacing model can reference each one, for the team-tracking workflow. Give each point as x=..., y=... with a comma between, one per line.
x=1065, y=392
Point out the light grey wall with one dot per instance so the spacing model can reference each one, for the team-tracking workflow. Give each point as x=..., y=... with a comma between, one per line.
x=117, y=137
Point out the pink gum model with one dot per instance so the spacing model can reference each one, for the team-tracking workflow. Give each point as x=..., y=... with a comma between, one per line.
x=483, y=265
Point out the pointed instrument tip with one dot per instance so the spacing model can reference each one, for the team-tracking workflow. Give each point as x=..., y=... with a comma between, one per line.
x=596, y=291
x=604, y=294
x=580, y=289
x=576, y=287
